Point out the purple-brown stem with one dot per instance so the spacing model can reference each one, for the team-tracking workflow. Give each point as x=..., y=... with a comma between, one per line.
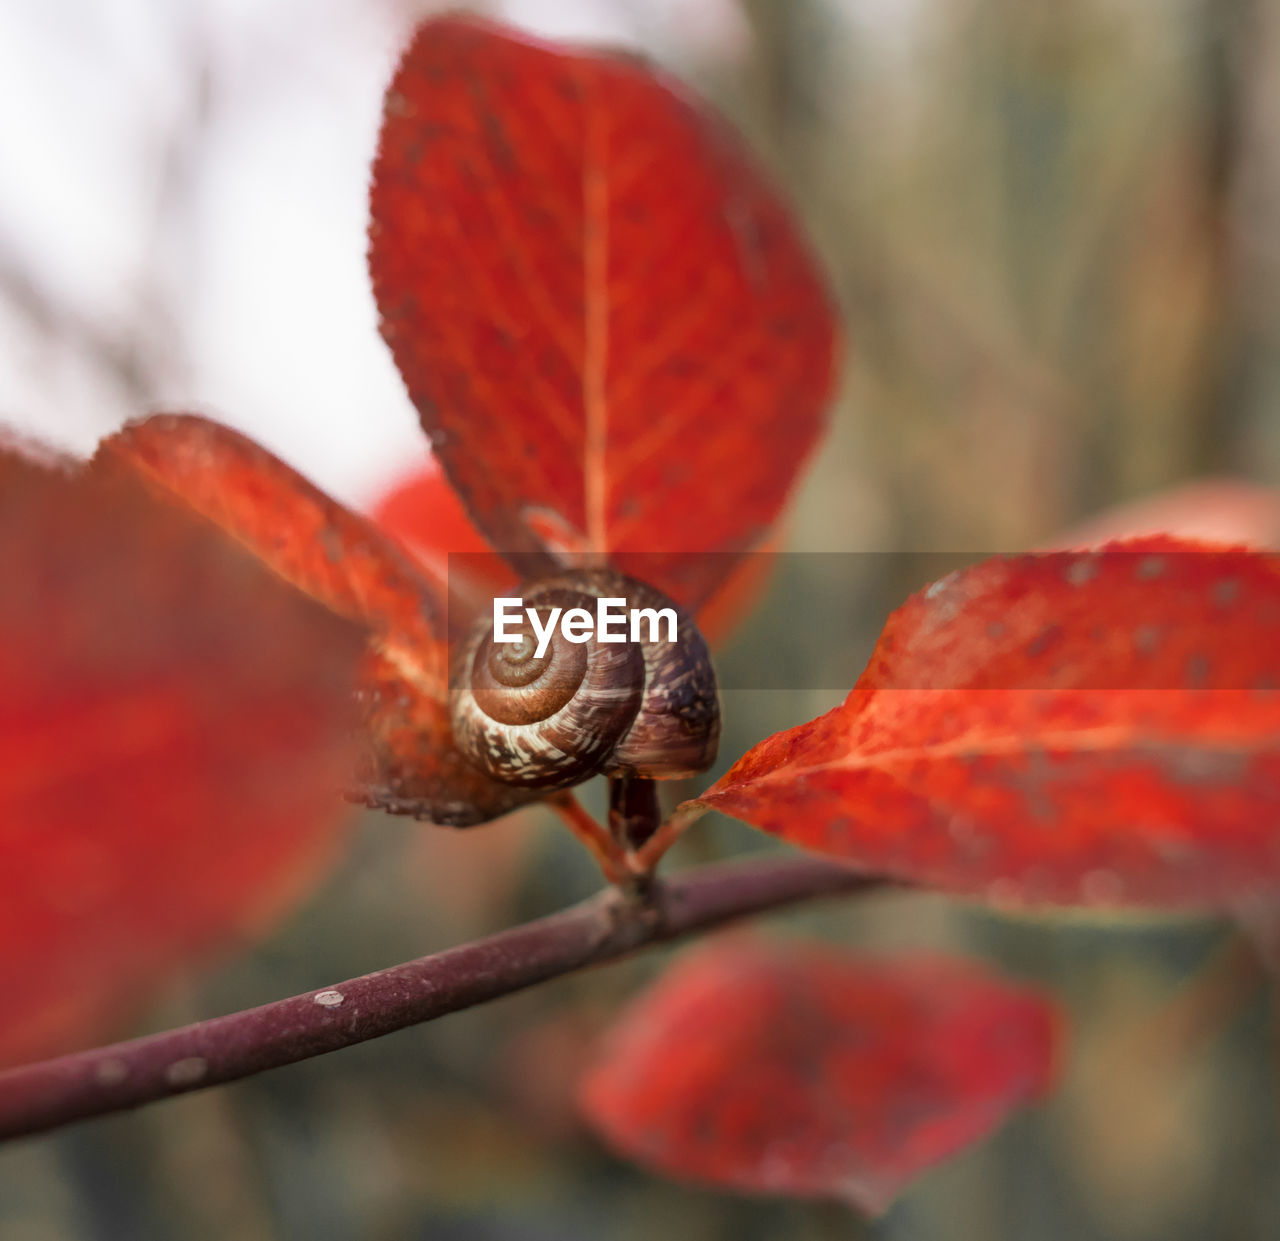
x=634, y=815
x=44, y=1095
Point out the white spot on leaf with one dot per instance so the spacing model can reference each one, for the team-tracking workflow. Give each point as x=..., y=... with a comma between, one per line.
x=1082, y=571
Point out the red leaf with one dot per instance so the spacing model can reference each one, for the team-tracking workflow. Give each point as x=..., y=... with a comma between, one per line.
x=797, y=1069
x=1073, y=727
x=600, y=309
x=424, y=513
x=173, y=722
x=352, y=567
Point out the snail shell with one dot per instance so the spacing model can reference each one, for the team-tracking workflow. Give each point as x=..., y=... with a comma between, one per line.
x=645, y=708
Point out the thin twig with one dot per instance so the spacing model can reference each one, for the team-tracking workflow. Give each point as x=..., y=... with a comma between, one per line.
x=647, y=857
x=609, y=856
x=41, y=1096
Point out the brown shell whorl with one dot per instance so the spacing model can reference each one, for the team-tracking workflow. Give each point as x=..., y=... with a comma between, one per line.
x=511, y=685
x=617, y=708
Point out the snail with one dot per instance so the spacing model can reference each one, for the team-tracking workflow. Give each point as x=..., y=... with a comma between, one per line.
x=551, y=719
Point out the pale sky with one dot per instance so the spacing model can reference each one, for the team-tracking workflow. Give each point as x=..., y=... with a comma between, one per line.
x=248, y=296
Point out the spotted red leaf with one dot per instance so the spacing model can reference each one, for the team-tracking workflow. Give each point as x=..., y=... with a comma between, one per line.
x=799, y=1069
x=173, y=725
x=614, y=337
x=1073, y=727
x=410, y=765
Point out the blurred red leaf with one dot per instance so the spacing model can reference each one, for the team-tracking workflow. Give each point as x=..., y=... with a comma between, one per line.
x=424, y=513
x=797, y=1069
x=1095, y=727
x=1219, y=510
x=410, y=765
x=173, y=725
x=612, y=333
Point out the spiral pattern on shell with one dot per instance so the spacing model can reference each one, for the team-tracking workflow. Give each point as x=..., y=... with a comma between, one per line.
x=645, y=708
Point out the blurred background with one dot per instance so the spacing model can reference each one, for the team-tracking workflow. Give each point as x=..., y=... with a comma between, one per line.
x=1055, y=232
